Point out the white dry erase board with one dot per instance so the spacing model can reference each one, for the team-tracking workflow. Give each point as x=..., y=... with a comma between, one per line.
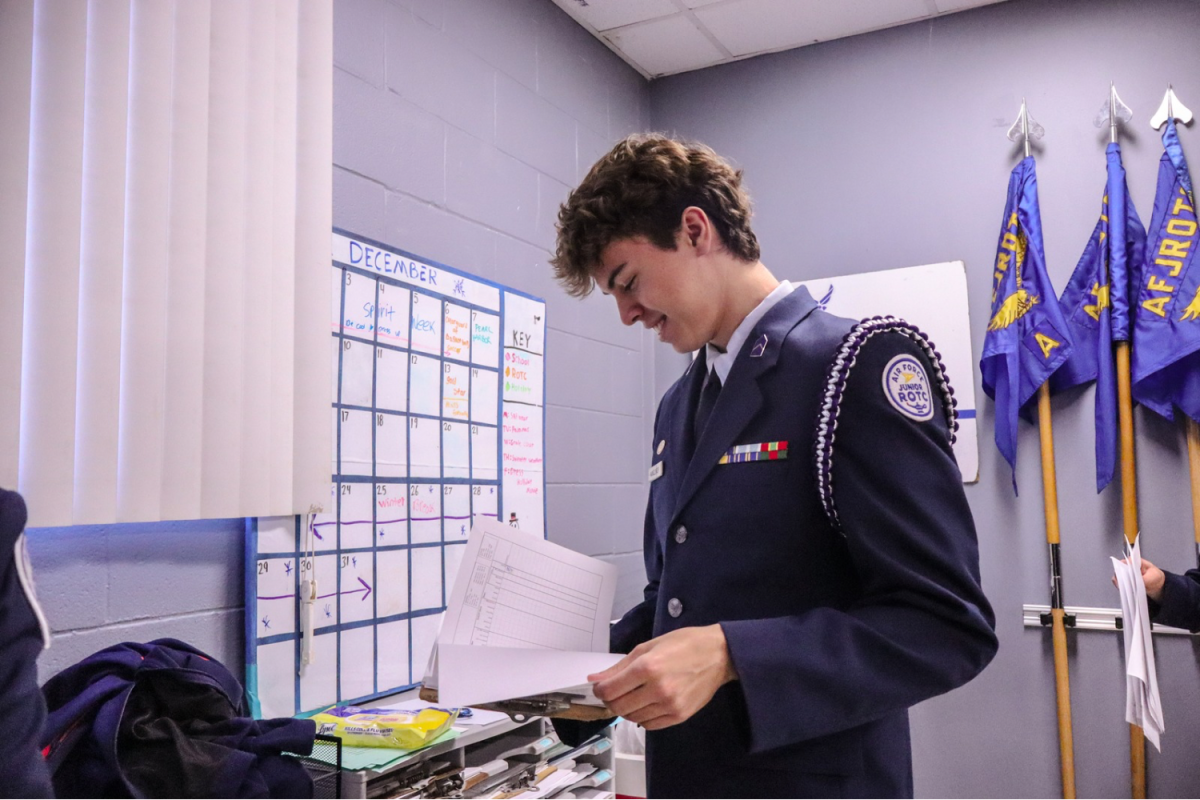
x=437, y=418
x=934, y=299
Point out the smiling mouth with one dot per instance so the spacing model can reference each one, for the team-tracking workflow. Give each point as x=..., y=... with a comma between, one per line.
x=658, y=326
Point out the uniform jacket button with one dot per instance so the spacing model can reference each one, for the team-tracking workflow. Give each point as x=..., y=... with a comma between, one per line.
x=680, y=535
x=674, y=607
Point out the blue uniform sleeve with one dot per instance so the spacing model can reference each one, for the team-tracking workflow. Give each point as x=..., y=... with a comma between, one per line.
x=1180, y=606
x=23, y=773
x=918, y=623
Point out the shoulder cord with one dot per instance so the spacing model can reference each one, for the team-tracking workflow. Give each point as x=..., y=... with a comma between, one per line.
x=835, y=385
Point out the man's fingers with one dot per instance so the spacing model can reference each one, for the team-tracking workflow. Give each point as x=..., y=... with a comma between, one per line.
x=632, y=705
x=658, y=723
x=623, y=681
x=613, y=670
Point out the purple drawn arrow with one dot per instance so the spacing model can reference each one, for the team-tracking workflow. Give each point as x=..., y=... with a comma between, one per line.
x=365, y=588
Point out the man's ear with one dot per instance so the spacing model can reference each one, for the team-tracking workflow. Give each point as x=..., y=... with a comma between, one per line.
x=697, y=230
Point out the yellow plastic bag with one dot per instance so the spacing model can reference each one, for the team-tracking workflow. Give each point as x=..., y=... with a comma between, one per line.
x=385, y=727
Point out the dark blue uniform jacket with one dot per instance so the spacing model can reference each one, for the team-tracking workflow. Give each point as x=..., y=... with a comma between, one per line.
x=1180, y=606
x=833, y=634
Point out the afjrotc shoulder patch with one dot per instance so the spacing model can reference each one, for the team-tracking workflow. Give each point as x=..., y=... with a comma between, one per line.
x=907, y=388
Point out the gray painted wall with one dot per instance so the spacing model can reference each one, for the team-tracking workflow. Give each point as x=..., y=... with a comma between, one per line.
x=459, y=128
x=887, y=150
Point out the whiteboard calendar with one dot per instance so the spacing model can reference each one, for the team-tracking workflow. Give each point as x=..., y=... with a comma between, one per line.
x=438, y=417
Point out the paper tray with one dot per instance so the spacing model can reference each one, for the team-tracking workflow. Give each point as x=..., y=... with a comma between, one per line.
x=523, y=708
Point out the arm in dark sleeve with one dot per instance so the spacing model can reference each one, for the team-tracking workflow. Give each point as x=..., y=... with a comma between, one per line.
x=920, y=624
x=1180, y=605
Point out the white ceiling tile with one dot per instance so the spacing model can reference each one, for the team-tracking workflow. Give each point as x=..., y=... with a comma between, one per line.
x=699, y=3
x=755, y=26
x=603, y=15
x=666, y=46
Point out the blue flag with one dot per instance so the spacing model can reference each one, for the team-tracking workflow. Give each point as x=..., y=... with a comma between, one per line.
x=1166, y=330
x=1096, y=304
x=1027, y=336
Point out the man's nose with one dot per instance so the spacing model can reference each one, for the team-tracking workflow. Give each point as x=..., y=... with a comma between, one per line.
x=630, y=310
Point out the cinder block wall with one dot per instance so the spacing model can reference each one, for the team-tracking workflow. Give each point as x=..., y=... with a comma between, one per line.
x=459, y=128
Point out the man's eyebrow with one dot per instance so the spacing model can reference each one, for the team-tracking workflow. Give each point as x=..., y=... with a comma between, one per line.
x=612, y=276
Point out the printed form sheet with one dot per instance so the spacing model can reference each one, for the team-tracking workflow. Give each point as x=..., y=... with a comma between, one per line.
x=526, y=616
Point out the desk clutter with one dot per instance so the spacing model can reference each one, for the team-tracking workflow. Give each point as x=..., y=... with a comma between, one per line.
x=164, y=719
x=501, y=759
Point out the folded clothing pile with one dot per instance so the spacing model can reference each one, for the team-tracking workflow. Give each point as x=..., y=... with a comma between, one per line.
x=163, y=719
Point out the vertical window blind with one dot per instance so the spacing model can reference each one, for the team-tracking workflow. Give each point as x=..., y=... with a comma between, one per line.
x=165, y=215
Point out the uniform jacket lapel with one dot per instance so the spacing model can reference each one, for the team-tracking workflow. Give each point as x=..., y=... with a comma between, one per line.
x=741, y=397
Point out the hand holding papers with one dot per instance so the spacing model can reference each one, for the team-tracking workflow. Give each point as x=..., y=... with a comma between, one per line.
x=1143, y=706
x=526, y=617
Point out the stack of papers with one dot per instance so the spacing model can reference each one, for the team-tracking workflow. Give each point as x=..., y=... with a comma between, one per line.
x=1143, y=706
x=527, y=617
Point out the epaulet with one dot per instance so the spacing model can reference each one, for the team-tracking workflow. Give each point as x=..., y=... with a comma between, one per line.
x=836, y=377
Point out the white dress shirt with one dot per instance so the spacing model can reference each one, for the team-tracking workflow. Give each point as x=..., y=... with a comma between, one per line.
x=722, y=361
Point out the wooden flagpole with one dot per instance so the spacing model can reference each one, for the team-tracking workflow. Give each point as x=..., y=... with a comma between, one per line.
x=1062, y=684
x=1058, y=628
x=1137, y=738
x=1129, y=510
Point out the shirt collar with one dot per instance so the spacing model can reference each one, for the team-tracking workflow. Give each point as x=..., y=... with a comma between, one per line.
x=723, y=362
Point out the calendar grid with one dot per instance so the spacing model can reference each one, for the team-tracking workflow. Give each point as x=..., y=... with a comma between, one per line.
x=445, y=325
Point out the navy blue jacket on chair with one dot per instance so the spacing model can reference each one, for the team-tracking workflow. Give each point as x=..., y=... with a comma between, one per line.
x=833, y=632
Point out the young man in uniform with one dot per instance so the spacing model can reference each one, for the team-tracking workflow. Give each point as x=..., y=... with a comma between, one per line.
x=792, y=613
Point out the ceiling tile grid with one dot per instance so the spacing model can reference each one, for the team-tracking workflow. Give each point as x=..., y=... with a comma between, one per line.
x=665, y=37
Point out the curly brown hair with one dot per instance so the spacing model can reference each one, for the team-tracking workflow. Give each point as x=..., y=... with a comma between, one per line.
x=641, y=188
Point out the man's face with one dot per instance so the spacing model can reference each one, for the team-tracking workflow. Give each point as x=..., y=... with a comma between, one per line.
x=670, y=291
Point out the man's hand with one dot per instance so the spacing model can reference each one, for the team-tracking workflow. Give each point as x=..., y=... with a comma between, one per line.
x=1154, y=579
x=666, y=680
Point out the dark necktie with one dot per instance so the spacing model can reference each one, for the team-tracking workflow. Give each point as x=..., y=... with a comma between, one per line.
x=708, y=399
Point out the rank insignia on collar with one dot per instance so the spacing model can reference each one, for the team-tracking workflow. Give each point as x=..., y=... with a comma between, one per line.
x=760, y=347
x=763, y=451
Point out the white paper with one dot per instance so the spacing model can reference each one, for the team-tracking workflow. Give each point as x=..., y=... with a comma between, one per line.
x=471, y=674
x=516, y=590
x=525, y=617
x=1143, y=705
